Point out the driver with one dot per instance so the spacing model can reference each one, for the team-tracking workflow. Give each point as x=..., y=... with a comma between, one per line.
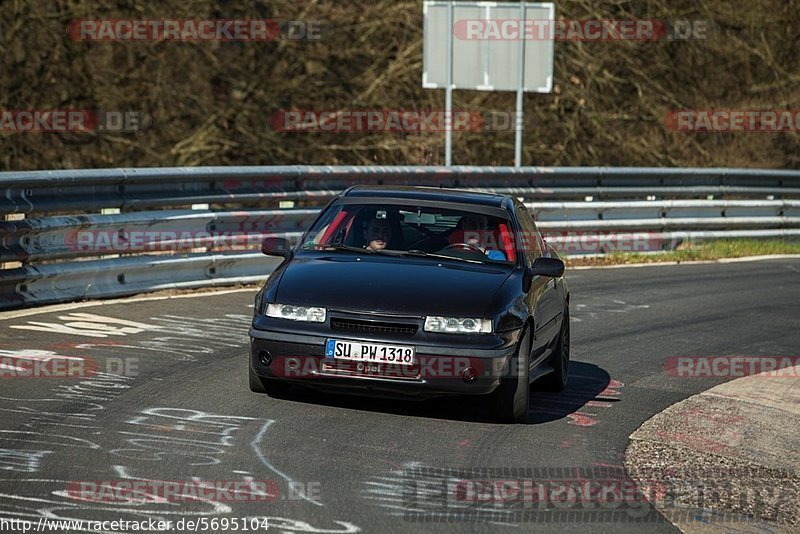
x=474, y=226
x=377, y=234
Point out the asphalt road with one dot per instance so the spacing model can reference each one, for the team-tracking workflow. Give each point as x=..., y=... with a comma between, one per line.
x=169, y=402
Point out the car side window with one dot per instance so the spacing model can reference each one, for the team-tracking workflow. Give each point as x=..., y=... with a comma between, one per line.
x=529, y=242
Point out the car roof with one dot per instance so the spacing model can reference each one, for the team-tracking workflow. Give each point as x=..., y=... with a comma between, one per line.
x=428, y=193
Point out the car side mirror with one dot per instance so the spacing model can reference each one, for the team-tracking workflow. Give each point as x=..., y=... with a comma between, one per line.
x=550, y=267
x=276, y=246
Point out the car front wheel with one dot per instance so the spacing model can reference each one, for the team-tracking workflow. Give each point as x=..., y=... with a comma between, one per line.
x=557, y=380
x=511, y=398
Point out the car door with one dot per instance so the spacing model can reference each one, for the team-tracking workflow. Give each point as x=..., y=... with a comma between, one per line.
x=543, y=297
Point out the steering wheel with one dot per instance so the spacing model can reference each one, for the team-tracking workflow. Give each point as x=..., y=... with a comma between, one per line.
x=468, y=246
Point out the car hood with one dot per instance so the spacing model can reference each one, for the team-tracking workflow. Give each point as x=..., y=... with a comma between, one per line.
x=393, y=285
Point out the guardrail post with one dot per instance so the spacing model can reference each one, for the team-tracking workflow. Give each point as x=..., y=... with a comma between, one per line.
x=12, y=217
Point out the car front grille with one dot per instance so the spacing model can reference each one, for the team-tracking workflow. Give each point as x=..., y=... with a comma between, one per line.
x=372, y=327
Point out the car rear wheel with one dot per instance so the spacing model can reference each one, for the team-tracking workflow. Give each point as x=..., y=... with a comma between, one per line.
x=557, y=380
x=511, y=398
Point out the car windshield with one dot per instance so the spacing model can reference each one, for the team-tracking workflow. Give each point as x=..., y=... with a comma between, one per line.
x=413, y=231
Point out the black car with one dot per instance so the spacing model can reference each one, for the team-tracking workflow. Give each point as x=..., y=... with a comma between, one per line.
x=415, y=292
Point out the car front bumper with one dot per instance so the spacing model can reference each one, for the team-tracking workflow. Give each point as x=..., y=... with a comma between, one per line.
x=456, y=369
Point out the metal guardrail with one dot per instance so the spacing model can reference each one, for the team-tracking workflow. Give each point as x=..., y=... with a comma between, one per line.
x=149, y=238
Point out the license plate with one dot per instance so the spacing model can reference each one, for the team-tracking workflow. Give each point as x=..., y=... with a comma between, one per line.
x=338, y=349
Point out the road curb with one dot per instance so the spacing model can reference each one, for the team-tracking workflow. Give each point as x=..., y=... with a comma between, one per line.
x=728, y=458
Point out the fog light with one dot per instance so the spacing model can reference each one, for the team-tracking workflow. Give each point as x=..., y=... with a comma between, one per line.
x=265, y=357
x=469, y=375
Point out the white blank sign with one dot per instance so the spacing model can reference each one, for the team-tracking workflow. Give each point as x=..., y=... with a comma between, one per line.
x=485, y=49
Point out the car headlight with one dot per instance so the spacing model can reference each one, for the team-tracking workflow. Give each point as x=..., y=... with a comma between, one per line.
x=453, y=325
x=297, y=313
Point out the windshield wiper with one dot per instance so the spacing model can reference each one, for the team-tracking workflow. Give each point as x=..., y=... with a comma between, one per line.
x=423, y=254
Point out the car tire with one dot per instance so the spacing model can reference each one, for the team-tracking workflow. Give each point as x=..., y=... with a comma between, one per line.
x=557, y=380
x=266, y=386
x=512, y=396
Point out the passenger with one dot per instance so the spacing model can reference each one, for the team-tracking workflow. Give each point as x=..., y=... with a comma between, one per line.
x=475, y=226
x=377, y=234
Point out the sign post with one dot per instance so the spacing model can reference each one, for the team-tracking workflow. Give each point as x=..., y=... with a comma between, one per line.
x=448, y=111
x=520, y=118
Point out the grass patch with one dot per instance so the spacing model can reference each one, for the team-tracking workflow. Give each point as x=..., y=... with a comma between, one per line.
x=708, y=251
